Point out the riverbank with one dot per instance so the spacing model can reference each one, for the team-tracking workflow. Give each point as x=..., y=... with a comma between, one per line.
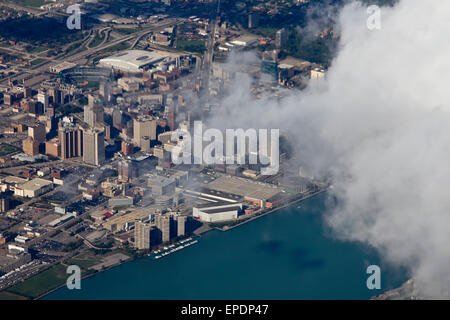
x=93, y=273
x=287, y=204
x=204, y=231
x=290, y=255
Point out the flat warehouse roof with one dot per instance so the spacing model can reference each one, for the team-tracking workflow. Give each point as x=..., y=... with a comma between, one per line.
x=133, y=59
x=226, y=209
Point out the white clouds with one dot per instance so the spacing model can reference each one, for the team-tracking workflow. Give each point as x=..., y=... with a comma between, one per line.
x=381, y=125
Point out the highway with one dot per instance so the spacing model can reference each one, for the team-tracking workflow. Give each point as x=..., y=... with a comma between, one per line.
x=208, y=56
x=77, y=57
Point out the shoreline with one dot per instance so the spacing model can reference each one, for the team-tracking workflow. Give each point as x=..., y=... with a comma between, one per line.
x=290, y=203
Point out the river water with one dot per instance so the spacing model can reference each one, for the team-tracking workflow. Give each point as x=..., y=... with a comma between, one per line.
x=288, y=254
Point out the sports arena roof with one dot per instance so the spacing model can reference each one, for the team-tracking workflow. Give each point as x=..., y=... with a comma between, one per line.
x=132, y=60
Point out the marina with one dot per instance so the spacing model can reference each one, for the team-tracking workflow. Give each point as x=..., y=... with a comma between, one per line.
x=158, y=254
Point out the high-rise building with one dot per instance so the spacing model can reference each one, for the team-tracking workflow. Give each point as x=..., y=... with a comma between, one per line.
x=253, y=20
x=144, y=131
x=53, y=148
x=94, y=146
x=27, y=92
x=71, y=140
x=163, y=224
x=117, y=119
x=37, y=132
x=30, y=146
x=127, y=148
x=105, y=90
x=126, y=170
x=142, y=232
x=55, y=95
x=4, y=204
x=171, y=118
x=281, y=38
x=35, y=107
x=93, y=111
x=43, y=98
x=181, y=226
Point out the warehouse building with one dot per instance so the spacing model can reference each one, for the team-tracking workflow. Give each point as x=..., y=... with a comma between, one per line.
x=33, y=188
x=215, y=212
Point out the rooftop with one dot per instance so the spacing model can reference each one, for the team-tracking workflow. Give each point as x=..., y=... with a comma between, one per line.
x=132, y=59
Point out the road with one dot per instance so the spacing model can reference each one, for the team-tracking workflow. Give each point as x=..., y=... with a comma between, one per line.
x=77, y=57
x=208, y=56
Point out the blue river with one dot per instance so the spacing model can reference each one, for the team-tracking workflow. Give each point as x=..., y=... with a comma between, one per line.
x=288, y=254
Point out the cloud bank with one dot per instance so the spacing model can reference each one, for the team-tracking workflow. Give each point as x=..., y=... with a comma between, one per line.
x=379, y=126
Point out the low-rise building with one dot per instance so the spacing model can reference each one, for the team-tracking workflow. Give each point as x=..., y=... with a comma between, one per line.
x=215, y=212
x=33, y=188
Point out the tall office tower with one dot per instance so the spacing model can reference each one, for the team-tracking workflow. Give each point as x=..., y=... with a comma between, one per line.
x=93, y=112
x=171, y=118
x=127, y=148
x=281, y=38
x=126, y=170
x=30, y=146
x=50, y=112
x=71, y=140
x=94, y=146
x=144, y=131
x=4, y=204
x=105, y=90
x=117, y=119
x=55, y=95
x=37, y=132
x=253, y=20
x=43, y=98
x=181, y=226
x=142, y=237
x=27, y=92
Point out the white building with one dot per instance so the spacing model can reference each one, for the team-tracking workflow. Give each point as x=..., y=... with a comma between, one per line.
x=33, y=188
x=62, y=219
x=132, y=60
x=317, y=73
x=214, y=212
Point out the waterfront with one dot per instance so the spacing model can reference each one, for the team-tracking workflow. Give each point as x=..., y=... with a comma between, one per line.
x=284, y=255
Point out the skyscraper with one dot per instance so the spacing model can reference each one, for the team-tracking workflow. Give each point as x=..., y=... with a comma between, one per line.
x=117, y=119
x=181, y=226
x=93, y=146
x=253, y=20
x=105, y=90
x=37, y=132
x=43, y=98
x=281, y=38
x=142, y=232
x=71, y=140
x=163, y=224
x=93, y=111
x=144, y=131
x=30, y=146
x=171, y=118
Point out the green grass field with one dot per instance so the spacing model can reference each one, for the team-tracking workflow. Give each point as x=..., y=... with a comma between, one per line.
x=197, y=46
x=41, y=283
x=117, y=47
x=36, y=61
x=97, y=40
x=6, y=149
x=31, y=3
